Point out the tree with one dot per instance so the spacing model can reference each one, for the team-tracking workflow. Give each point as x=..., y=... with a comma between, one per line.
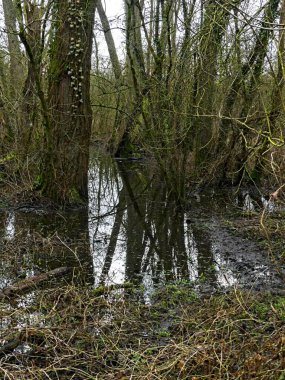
x=15, y=67
x=33, y=14
x=202, y=87
x=109, y=40
x=64, y=174
x=16, y=70
x=213, y=28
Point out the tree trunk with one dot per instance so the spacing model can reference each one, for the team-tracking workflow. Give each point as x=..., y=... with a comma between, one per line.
x=215, y=22
x=136, y=73
x=233, y=138
x=16, y=70
x=30, y=113
x=109, y=40
x=65, y=170
x=277, y=103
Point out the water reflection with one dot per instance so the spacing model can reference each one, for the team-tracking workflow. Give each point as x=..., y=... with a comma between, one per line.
x=251, y=200
x=34, y=241
x=139, y=233
x=9, y=232
x=133, y=230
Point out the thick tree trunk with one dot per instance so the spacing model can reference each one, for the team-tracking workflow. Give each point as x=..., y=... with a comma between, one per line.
x=65, y=170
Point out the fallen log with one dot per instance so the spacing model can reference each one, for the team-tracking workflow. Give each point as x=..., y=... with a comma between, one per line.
x=31, y=283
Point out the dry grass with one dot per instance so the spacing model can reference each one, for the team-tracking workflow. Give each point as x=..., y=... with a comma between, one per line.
x=71, y=333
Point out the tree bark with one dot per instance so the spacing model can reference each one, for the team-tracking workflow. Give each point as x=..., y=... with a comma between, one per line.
x=15, y=67
x=215, y=22
x=65, y=170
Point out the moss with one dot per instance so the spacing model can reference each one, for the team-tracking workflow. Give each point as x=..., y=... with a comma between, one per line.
x=261, y=310
x=9, y=156
x=38, y=182
x=74, y=196
x=279, y=307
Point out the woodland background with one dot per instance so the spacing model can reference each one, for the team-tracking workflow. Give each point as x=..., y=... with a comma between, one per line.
x=197, y=85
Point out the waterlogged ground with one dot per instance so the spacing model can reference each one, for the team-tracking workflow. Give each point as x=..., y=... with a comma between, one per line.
x=134, y=231
x=155, y=290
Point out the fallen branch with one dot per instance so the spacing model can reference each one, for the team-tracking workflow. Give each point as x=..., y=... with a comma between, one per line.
x=31, y=283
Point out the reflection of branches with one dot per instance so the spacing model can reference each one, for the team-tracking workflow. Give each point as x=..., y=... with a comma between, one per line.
x=205, y=258
x=120, y=208
x=141, y=217
x=105, y=183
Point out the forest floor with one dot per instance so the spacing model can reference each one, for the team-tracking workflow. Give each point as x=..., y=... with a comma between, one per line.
x=71, y=331
x=75, y=333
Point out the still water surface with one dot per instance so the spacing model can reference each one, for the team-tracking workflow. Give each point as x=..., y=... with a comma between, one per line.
x=134, y=230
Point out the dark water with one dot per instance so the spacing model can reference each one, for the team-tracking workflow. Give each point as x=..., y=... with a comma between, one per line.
x=134, y=230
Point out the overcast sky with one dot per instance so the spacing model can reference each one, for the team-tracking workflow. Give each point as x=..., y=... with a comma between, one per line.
x=113, y=7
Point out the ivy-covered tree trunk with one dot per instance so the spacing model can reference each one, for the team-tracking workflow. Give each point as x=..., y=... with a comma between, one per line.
x=64, y=176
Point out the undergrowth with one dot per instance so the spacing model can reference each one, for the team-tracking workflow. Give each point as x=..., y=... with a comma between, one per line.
x=71, y=333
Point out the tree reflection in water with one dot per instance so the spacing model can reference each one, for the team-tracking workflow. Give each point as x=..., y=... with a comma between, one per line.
x=133, y=230
x=139, y=232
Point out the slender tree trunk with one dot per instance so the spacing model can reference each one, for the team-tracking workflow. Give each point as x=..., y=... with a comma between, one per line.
x=234, y=138
x=16, y=69
x=109, y=40
x=34, y=55
x=136, y=71
x=277, y=97
x=15, y=64
x=215, y=21
x=278, y=105
x=30, y=112
x=117, y=69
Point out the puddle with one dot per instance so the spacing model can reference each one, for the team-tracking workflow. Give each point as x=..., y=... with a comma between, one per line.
x=133, y=230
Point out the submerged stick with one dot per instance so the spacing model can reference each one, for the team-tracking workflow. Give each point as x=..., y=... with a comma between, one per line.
x=31, y=283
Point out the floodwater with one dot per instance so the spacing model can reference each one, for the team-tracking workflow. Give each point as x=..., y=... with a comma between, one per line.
x=135, y=231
